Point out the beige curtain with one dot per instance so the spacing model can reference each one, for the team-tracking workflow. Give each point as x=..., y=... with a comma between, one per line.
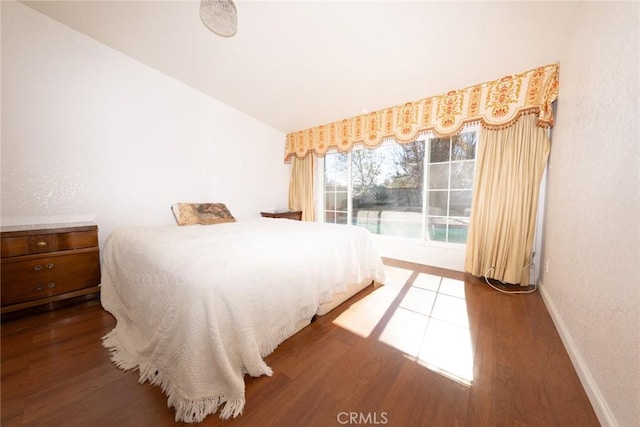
x=510, y=165
x=301, y=187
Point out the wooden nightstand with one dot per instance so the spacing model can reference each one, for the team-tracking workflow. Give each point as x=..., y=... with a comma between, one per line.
x=42, y=264
x=296, y=215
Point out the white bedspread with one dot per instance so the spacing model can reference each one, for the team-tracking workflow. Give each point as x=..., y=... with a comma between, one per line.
x=197, y=307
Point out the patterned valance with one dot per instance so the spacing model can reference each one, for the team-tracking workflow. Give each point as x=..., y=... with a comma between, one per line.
x=496, y=104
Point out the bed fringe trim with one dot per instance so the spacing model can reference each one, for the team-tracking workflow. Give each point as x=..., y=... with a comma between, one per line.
x=195, y=410
x=283, y=334
x=187, y=410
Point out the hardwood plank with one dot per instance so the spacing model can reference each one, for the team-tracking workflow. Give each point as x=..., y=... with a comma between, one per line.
x=358, y=359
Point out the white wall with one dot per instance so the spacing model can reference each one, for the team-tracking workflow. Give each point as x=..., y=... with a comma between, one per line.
x=435, y=254
x=91, y=134
x=592, y=225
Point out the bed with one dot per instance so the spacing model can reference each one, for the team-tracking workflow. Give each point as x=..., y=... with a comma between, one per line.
x=200, y=306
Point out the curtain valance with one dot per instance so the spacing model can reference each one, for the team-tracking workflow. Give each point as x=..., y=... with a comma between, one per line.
x=497, y=104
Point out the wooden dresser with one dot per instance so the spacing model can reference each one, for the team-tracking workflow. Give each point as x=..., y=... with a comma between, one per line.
x=42, y=264
x=296, y=215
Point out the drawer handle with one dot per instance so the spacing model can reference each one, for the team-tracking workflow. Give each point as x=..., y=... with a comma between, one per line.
x=40, y=287
x=41, y=244
x=37, y=267
x=51, y=285
x=50, y=265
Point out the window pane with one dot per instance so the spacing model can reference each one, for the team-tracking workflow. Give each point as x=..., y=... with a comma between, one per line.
x=330, y=216
x=367, y=175
x=336, y=171
x=330, y=201
x=387, y=189
x=341, y=201
x=462, y=174
x=464, y=146
x=404, y=224
x=460, y=204
x=369, y=219
x=447, y=229
x=341, y=218
x=408, y=165
x=439, y=151
x=458, y=230
x=437, y=202
x=439, y=176
x=404, y=177
x=437, y=229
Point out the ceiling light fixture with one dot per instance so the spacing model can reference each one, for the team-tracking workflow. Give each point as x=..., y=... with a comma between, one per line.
x=220, y=16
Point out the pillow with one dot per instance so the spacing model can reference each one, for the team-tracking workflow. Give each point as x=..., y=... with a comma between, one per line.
x=214, y=213
x=201, y=213
x=184, y=213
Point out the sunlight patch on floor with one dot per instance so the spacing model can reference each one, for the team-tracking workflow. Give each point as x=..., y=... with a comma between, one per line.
x=431, y=326
x=403, y=328
x=363, y=316
x=396, y=276
x=428, y=282
x=452, y=310
x=418, y=300
x=446, y=349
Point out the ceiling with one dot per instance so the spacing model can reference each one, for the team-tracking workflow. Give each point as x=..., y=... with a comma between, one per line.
x=298, y=64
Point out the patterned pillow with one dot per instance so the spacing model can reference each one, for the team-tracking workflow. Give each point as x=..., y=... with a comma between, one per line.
x=184, y=213
x=214, y=213
x=201, y=213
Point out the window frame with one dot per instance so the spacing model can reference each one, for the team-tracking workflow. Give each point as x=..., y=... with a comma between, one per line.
x=426, y=139
x=449, y=189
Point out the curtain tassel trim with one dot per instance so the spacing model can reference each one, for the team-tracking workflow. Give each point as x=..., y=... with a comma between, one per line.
x=496, y=105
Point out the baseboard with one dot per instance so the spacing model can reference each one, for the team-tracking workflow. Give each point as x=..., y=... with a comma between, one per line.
x=604, y=414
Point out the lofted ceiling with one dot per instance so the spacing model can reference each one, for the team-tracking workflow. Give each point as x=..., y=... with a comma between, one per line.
x=298, y=64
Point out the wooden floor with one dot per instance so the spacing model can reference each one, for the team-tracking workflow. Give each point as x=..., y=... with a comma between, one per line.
x=432, y=348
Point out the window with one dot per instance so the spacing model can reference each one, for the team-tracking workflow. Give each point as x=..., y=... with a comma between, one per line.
x=387, y=191
x=336, y=188
x=451, y=166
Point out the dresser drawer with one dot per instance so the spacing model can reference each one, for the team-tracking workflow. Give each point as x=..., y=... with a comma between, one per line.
x=42, y=243
x=47, y=276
